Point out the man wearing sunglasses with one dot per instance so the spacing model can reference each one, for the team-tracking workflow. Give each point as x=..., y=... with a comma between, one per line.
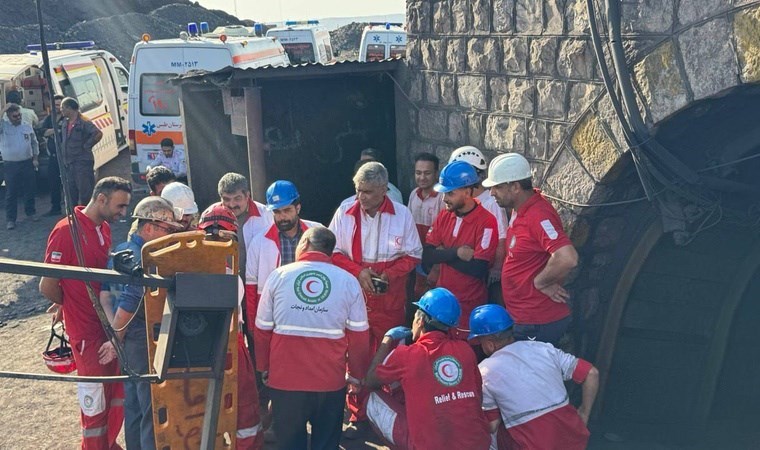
x=123, y=305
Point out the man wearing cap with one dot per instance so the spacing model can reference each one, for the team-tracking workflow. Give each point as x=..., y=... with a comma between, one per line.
x=183, y=200
x=378, y=243
x=276, y=246
x=462, y=239
x=439, y=378
x=524, y=394
x=124, y=308
x=539, y=254
x=311, y=336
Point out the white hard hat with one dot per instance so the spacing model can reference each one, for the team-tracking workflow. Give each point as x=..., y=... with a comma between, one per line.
x=507, y=168
x=181, y=196
x=471, y=155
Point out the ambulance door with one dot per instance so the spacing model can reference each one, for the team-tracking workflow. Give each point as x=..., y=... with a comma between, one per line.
x=79, y=78
x=112, y=90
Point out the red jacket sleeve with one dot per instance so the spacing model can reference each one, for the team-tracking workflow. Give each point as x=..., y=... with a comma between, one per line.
x=401, y=267
x=358, y=353
x=345, y=263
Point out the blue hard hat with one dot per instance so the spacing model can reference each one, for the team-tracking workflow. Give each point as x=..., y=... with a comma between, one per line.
x=280, y=194
x=456, y=174
x=489, y=319
x=441, y=305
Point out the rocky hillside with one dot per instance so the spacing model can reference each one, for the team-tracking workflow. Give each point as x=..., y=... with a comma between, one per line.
x=346, y=39
x=113, y=25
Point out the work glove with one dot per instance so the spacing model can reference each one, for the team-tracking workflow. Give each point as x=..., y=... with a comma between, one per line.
x=399, y=333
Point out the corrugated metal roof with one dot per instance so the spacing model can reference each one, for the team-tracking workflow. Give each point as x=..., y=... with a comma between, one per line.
x=229, y=76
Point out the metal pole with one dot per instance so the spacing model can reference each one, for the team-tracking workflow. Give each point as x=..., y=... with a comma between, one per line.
x=214, y=392
x=254, y=130
x=81, y=273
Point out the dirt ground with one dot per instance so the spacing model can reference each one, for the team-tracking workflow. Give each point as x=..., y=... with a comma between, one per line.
x=40, y=414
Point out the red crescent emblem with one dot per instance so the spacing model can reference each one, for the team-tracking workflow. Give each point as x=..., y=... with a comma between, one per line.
x=445, y=370
x=308, y=286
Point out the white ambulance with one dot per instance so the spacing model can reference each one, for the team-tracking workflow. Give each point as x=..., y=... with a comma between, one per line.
x=382, y=41
x=155, y=114
x=94, y=77
x=305, y=42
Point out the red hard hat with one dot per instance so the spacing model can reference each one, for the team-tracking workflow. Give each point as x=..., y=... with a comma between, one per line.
x=61, y=358
x=217, y=215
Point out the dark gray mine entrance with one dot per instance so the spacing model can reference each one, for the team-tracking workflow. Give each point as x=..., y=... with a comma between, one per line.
x=680, y=339
x=315, y=130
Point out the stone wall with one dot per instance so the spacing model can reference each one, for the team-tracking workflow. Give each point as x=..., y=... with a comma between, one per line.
x=521, y=76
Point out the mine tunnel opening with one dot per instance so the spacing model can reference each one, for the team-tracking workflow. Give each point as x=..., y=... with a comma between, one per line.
x=684, y=362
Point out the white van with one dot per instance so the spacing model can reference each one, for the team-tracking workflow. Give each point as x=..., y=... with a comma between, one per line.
x=304, y=41
x=382, y=41
x=154, y=114
x=94, y=77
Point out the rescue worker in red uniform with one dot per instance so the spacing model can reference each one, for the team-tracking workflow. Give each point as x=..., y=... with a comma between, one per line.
x=311, y=336
x=219, y=223
x=101, y=404
x=539, y=254
x=462, y=239
x=377, y=242
x=440, y=381
x=424, y=204
x=524, y=394
x=276, y=246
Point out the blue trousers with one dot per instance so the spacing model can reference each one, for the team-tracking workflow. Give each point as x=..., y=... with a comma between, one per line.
x=19, y=182
x=138, y=410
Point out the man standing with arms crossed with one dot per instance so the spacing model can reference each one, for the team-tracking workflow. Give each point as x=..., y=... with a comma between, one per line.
x=311, y=336
x=462, y=239
x=101, y=404
x=377, y=242
x=539, y=254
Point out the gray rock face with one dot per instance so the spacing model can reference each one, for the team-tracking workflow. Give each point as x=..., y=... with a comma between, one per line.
x=709, y=58
x=448, y=90
x=551, y=98
x=432, y=53
x=543, y=54
x=459, y=15
x=529, y=16
x=503, y=10
x=432, y=124
x=694, y=10
x=660, y=82
x=475, y=130
x=441, y=17
x=582, y=95
x=537, y=136
x=521, y=95
x=498, y=94
x=515, y=55
x=568, y=179
x=483, y=55
x=554, y=19
x=652, y=16
x=431, y=87
x=472, y=91
x=481, y=16
x=457, y=128
x=576, y=14
x=455, y=55
x=576, y=59
x=505, y=134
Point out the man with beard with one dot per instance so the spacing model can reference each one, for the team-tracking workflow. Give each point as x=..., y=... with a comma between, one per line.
x=276, y=246
x=540, y=256
x=102, y=413
x=462, y=239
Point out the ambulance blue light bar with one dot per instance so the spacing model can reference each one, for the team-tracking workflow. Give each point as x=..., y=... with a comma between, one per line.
x=387, y=25
x=301, y=22
x=192, y=29
x=74, y=45
x=204, y=27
